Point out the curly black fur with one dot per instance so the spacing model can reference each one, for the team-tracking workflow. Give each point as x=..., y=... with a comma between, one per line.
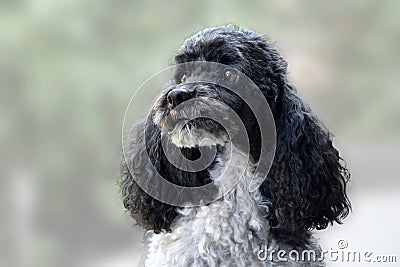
x=147, y=211
x=307, y=181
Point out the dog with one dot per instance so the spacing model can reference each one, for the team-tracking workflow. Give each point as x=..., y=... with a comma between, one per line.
x=304, y=189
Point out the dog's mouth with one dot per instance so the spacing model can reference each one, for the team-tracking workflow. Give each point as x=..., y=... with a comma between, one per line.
x=185, y=132
x=197, y=122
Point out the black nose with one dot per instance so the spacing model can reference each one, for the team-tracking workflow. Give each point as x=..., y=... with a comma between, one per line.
x=177, y=96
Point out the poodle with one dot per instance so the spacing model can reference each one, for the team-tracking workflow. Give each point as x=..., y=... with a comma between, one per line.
x=225, y=222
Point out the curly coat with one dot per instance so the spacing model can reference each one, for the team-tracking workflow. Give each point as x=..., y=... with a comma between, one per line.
x=304, y=190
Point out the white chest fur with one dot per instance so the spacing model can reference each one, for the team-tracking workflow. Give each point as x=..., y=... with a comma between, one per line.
x=227, y=232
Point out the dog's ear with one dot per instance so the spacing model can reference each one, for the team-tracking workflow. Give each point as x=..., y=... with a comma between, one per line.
x=143, y=145
x=307, y=181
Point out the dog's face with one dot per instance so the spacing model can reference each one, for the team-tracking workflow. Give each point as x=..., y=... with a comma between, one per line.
x=178, y=111
x=241, y=54
x=307, y=181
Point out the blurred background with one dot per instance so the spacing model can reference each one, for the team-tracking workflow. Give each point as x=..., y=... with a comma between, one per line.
x=68, y=69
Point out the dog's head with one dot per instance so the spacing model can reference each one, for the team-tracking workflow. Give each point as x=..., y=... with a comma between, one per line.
x=245, y=54
x=307, y=181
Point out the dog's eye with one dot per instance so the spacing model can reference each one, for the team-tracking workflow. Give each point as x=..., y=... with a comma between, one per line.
x=231, y=76
x=183, y=78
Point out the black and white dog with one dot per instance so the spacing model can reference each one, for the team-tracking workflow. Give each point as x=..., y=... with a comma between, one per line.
x=305, y=188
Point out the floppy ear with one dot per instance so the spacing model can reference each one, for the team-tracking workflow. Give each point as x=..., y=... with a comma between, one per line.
x=144, y=160
x=148, y=212
x=307, y=181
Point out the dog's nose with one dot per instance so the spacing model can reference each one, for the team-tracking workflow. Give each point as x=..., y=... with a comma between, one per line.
x=177, y=96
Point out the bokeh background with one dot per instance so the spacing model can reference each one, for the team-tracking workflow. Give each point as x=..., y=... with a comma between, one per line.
x=68, y=69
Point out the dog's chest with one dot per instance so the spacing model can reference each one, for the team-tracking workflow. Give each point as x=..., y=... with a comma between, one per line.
x=228, y=232
x=209, y=236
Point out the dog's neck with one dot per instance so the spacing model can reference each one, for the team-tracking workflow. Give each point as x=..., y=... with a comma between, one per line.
x=233, y=223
